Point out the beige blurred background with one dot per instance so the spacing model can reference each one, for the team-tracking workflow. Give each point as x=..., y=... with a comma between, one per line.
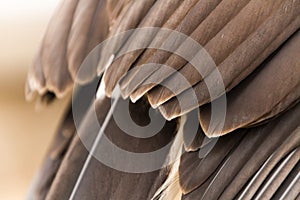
x=24, y=133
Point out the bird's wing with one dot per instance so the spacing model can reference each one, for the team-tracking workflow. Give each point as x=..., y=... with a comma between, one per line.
x=254, y=47
x=240, y=38
x=246, y=41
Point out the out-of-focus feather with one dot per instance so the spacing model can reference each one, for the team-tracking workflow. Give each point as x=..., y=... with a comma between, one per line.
x=44, y=178
x=90, y=26
x=49, y=71
x=53, y=58
x=75, y=29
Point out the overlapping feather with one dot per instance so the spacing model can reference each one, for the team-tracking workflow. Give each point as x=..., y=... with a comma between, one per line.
x=255, y=46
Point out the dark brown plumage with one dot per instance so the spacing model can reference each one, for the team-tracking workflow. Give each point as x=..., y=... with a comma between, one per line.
x=254, y=45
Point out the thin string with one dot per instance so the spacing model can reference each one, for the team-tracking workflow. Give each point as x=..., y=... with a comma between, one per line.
x=94, y=147
x=117, y=96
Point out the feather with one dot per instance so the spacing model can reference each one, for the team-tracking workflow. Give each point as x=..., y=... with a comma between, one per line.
x=227, y=70
x=188, y=24
x=75, y=29
x=50, y=63
x=276, y=134
x=283, y=87
x=261, y=37
x=174, y=22
x=254, y=45
x=114, y=184
x=213, y=18
x=156, y=17
x=194, y=144
x=278, y=175
x=260, y=151
x=36, y=82
x=289, y=189
x=53, y=158
x=237, y=159
x=54, y=61
x=166, y=93
x=128, y=19
x=115, y=8
x=170, y=189
x=205, y=166
x=90, y=26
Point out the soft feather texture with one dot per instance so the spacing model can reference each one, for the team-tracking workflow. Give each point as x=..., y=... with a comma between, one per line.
x=255, y=46
x=210, y=18
x=264, y=94
x=129, y=19
x=102, y=182
x=240, y=59
x=179, y=21
x=266, y=26
x=222, y=44
x=50, y=72
x=90, y=26
x=75, y=29
x=259, y=151
x=53, y=159
x=160, y=12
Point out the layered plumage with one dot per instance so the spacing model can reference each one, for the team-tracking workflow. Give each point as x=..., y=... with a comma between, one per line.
x=254, y=45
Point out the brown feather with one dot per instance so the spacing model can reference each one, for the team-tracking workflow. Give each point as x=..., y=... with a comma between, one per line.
x=130, y=18
x=239, y=60
x=286, y=190
x=90, y=26
x=54, y=61
x=259, y=98
x=196, y=15
x=260, y=151
x=206, y=166
x=277, y=176
x=156, y=17
x=100, y=181
x=174, y=23
x=228, y=42
x=60, y=144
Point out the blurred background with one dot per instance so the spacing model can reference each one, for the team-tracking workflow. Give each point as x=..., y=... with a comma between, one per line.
x=25, y=133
